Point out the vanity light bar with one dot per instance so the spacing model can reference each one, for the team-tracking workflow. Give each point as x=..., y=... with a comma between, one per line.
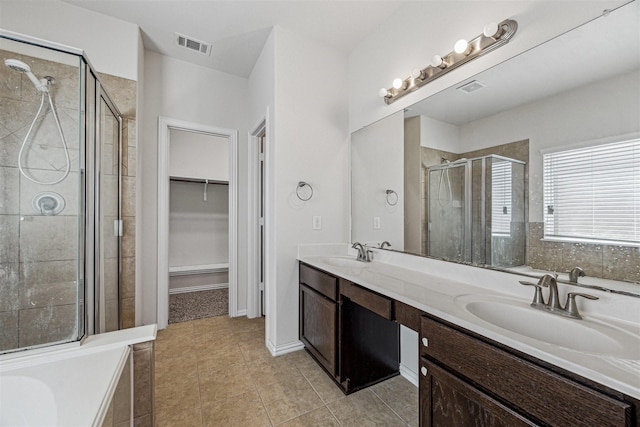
x=493, y=36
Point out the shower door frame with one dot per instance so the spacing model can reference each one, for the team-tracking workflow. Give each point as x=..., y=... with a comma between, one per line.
x=99, y=316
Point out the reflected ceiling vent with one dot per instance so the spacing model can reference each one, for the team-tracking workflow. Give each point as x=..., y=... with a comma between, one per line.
x=193, y=44
x=472, y=86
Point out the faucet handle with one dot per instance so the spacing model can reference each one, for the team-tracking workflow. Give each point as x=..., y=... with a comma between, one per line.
x=538, y=299
x=369, y=255
x=571, y=308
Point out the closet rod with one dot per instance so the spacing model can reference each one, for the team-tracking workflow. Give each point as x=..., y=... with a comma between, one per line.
x=197, y=180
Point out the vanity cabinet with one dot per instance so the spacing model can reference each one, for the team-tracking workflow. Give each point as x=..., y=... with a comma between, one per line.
x=319, y=316
x=348, y=329
x=369, y=338
x=466, y=380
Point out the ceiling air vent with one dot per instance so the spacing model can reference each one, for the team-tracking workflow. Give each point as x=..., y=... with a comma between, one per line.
x=193, y=44
x=472, y=86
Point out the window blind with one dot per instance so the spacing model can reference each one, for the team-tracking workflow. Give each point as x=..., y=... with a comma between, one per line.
x=501, y=198
x=593, y=192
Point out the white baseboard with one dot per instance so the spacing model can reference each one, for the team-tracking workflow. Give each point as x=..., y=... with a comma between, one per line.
x=198, y=288
x=240, y=313
x=284, y=349
x=407, y=373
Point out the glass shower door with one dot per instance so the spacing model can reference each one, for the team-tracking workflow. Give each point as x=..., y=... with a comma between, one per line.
x=447, y=217
x=108, y=286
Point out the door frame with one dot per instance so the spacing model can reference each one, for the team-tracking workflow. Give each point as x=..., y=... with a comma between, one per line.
x=253, y=291
x=165, y=124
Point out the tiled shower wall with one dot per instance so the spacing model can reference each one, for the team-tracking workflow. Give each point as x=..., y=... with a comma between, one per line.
x=38, y=254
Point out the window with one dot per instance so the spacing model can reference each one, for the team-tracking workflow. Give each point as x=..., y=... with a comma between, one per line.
x=593, y=193
x=501, y=198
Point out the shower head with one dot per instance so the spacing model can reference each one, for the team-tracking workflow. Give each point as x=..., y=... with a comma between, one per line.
x=21, y=67
x=17, y=65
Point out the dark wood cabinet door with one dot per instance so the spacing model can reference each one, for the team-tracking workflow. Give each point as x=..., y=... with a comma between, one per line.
x=446, y=401
x=527, y=387
x=319, y=327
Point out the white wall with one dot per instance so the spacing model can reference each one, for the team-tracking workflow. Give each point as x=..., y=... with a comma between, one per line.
x=377, y=165
x=111, y=44
x=196, y=155
x=419, y=30
x=604, y=109
x=198, y=228
x=182, y=91
x=308, y=143
x=439, y=135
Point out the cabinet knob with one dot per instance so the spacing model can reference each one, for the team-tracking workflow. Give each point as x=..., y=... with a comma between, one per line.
x=425, y=342
x=423, y=370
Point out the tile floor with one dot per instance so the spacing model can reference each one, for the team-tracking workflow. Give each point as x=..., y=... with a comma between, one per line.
x=217, y=372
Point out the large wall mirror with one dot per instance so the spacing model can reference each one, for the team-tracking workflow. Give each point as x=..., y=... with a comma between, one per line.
x=508, y=169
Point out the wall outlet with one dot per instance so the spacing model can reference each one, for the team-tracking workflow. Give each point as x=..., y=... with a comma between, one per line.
x=376, y=223
x=317, y=222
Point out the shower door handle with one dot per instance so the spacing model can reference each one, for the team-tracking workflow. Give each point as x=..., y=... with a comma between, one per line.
x=117, y=227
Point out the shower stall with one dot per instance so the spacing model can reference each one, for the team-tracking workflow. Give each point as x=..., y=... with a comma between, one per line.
x=60, y=139
x=476, y=211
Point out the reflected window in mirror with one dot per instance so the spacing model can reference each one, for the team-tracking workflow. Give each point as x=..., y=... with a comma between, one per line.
x=592, y=193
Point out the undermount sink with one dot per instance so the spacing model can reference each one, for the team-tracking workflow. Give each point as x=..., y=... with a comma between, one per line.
x=586, y=336
x=344, y=262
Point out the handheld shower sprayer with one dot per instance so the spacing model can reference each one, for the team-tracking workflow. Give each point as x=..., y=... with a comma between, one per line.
x=21, y=67
x=42, y=86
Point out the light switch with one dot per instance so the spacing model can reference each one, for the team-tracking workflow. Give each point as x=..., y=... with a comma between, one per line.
x=317, y=222
x=376, y=223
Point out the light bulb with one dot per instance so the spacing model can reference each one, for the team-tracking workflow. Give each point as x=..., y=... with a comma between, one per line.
x=461, y=46
x=398, y=83
x=417, y=74
x=383, y=92
x=491, y=30
x=437, y=61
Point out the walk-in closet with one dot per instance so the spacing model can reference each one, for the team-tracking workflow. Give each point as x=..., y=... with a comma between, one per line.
x=198, y=226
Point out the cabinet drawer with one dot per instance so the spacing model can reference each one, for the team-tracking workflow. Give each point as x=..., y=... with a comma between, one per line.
x=324, y=283
x=530, y=389
x=408, y=316
x=370, y=300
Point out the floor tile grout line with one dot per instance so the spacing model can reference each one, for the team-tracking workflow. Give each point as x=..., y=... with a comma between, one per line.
x=388, y=406
x=334, y=415
x=263, y=405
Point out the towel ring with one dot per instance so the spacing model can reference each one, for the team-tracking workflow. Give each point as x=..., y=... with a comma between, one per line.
x=392, y=198
x=304, y=191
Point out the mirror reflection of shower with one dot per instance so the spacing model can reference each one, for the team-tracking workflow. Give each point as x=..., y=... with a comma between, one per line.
x=447, y=200
x=42, y=86
x=476, y=210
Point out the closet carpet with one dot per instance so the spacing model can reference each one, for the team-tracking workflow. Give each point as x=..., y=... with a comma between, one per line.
x=198, y=305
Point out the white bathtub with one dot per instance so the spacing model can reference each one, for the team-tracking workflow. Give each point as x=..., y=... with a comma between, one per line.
x=66, y=387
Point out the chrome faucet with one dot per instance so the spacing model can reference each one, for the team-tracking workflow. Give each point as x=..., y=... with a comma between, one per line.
x=553, y=305
x=364, y=255
x=575, y=273
x=382, y=245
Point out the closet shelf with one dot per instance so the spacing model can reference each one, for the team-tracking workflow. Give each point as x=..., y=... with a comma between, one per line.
x=197, y=180
x=185, y=270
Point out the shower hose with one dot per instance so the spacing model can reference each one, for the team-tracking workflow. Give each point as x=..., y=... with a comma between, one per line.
x=26, y=138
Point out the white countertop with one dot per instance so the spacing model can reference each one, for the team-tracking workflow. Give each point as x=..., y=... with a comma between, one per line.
x=438, y=288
